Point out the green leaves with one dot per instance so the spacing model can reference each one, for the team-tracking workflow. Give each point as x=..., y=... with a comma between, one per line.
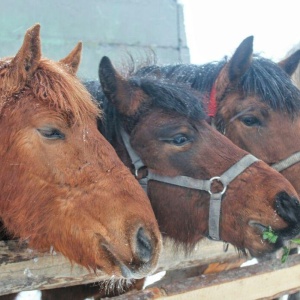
x=270, y=235
x=296, y=241
x=286, y=252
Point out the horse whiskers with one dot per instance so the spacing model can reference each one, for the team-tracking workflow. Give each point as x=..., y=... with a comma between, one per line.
x=115, y=285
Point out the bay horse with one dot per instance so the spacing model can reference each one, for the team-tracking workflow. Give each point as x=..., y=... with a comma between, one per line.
x=251, y=100
x=159, y=130
x=62, y=184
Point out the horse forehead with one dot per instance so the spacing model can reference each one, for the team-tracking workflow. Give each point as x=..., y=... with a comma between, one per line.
x=238, y=101
x=157, y=117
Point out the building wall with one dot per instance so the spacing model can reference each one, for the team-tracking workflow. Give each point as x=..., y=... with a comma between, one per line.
x=106, y=27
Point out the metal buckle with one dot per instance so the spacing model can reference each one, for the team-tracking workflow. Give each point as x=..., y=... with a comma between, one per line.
x=220, y=180
x=139, y=175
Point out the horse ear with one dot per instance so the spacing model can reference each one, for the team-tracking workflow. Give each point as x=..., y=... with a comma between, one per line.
x=237, y=65
x=290, y=64
x=72, y=60
x=117, y=89
x=27, y=59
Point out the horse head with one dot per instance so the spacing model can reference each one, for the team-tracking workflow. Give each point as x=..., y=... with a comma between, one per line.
x=62, y=185
x=258, y=108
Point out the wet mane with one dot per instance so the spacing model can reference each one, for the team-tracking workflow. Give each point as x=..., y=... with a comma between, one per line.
x=165, y=94
x=264, y=79
x=170, y=96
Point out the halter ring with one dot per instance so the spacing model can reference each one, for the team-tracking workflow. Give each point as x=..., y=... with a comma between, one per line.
x=220, y=180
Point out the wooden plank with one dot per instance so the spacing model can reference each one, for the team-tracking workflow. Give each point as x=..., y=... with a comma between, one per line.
x=266, y=280
x=24, y=269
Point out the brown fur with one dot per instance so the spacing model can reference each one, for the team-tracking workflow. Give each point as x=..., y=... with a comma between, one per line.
x=72, y=194
x=250, y=197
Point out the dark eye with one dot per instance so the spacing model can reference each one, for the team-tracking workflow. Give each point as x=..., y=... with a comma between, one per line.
x=180, y=140
x=250, y=121
x=51, y=133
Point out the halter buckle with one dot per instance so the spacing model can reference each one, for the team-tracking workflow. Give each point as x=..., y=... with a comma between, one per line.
x=141, y=173
x=220, y=180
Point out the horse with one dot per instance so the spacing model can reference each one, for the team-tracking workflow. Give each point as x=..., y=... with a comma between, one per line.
x=251, y=100
x=159, y=130
x=62, y=185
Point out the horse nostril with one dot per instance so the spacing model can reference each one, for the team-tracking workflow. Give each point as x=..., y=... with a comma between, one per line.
x=287, y=207
x=144, y=249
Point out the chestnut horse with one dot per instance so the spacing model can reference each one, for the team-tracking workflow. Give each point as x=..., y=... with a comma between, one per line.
x=62, y=185
x=252, y=101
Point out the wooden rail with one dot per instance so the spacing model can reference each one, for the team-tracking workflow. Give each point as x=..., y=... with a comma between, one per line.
x=266, y=280
x=24, y=269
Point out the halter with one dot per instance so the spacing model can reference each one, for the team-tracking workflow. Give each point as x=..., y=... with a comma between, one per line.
x=192, y=183
x=279, y=166
x=287, y=162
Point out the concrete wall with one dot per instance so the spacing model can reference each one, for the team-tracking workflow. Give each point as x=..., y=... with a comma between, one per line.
x=106, y=27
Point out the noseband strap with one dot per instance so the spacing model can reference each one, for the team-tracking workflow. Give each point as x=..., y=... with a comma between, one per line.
x=192, y=183
x=287, y=162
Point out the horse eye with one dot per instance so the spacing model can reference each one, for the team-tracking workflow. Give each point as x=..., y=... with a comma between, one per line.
x=51, y=133
x=180, y=140
x=250, y=121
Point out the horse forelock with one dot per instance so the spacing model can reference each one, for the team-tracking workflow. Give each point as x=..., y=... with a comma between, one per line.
x=171, y=96
x=272, y=85
x=52, y=84
x=65, y=92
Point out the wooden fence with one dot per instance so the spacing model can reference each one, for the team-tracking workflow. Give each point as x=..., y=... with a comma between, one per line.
x=187, y=276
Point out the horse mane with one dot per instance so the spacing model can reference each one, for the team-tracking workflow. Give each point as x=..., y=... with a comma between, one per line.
x=53, y=84
x=171, y=96
x=264, y=79
x=163, y=93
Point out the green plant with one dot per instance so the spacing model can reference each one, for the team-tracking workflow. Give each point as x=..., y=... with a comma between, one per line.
x=271, y=237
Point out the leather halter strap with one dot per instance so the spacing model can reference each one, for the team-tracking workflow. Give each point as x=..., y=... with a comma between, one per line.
x=279, y=166
x=192, y=183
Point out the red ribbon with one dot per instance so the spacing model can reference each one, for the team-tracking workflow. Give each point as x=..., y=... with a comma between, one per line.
x=212, y=104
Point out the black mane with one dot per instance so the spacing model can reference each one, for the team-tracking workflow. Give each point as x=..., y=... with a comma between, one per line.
x=162, y=93
x=171, y=96
x=264, y=79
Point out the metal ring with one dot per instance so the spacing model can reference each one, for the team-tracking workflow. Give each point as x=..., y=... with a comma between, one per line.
x=220, y=180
